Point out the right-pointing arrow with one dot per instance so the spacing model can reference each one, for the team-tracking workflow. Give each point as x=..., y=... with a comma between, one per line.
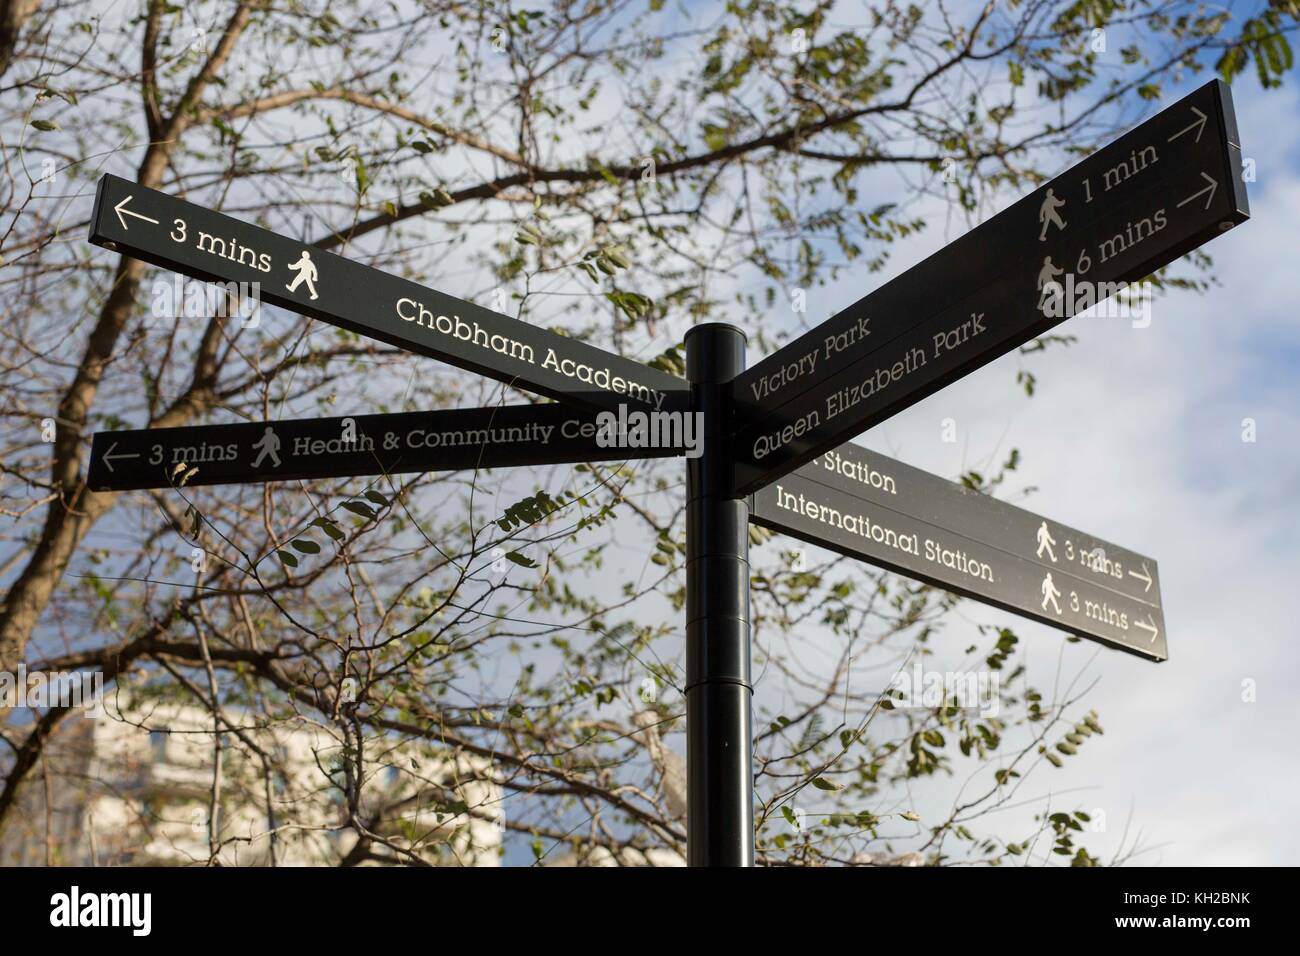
x=1149, y=625
x=1213, y=185
x=1198, y=125
x=1144, y=576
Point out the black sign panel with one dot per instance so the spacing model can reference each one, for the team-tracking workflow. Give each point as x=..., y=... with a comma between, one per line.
x=1153, y=195
x=207, y=245
x=472, y=438
x=903, y=519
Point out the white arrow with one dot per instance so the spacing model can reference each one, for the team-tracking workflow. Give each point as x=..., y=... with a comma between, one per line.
x=109, y=456
x=123, y=212
x=1199, y=126
x=1149, y=625
x=1210, y=189
x=1144, y=576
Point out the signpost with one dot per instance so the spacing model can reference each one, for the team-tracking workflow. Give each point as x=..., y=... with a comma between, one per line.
x=903, y=519
x=308, y=448
x=1156, y=193
x=208, y=245
x=1153, y=195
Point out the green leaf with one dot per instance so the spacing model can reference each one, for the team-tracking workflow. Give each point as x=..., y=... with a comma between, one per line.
x=45, y=126
x=305, y=546
x=357, y=508
x=287, y=558
x=377, y=498
x=821, y=783
x=330, y=528
x=529, y=510
x=436, y=199
x=520, y=559
x=910, y=815
x=528, y=236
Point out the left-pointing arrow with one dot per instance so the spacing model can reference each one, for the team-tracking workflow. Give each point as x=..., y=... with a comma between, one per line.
x=123, y=212
x=109, y=456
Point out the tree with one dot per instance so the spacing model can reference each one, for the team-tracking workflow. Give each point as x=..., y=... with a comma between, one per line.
x=619, y=170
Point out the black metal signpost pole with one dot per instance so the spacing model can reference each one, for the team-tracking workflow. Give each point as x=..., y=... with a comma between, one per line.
x=719, y=723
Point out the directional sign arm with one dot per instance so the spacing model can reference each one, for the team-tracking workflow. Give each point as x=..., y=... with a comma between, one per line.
x=900, y=518
x=352, y=446
x=1114, y=218
x=213, y=247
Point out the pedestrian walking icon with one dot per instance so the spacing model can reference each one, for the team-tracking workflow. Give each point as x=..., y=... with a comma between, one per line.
x=1049, y=214
x=1047, y=283
x=1050, y=594
x=268, y=444
x=1045, y=542
x=306, y=270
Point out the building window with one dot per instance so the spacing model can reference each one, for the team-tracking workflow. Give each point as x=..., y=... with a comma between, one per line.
x=158, y=743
